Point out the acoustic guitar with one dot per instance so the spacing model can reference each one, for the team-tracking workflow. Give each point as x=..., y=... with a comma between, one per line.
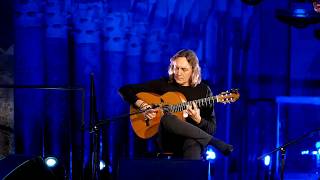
x=173, y=102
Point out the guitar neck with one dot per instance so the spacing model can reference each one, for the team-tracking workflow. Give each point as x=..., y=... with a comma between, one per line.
x=199, y=102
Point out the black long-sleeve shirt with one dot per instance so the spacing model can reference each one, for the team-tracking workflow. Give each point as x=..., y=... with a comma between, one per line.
x=161, y=86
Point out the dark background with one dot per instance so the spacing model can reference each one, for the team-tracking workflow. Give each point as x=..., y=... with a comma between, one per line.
x=267, y=49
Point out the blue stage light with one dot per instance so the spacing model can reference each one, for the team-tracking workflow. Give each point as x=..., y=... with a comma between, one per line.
x=110, y=169
x=305, y=152
x=51, y=161
x=267, y=160
x=314, y=152
x=211, y=155
x=102, y=165
x=300, y=13
x=318, y=145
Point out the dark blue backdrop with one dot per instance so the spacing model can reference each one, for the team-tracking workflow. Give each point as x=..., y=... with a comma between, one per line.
x=59, y=43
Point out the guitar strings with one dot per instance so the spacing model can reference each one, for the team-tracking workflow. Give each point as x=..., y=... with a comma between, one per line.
x=199, y=102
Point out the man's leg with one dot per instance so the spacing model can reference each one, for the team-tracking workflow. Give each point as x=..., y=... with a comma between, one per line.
x=191, y=149
x=176, y=126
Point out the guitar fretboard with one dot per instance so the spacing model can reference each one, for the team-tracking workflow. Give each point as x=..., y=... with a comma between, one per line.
x=199, y=102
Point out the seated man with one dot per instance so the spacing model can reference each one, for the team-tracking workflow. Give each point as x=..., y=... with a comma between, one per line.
x=187, y=138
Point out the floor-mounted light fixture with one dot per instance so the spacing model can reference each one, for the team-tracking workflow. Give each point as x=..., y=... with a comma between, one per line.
x=299, y=15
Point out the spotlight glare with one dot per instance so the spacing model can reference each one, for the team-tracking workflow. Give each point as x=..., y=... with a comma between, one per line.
x=211, y=155
x=51, y=161
x=314, y=152
x=267, y=160
x=305, y=152
x=318, y=145
x=102, y=165
x=300, y=12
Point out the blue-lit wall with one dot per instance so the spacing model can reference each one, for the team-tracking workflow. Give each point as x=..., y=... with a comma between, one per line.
x=59, y=43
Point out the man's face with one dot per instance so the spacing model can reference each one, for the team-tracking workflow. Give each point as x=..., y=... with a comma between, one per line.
x=182, y=71
x=316, y=6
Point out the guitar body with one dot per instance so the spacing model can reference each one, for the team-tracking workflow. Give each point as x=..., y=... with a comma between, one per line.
x=177, y=104
x=140, y=126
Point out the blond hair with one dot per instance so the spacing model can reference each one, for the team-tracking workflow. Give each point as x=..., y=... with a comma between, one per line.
x=192, y=60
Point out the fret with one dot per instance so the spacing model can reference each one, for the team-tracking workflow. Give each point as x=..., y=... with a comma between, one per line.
x=199, y=102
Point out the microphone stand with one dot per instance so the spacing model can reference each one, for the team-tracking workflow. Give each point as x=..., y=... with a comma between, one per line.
x=95, y=126
x=282, y=150
x=115, y=118
x=95, y=132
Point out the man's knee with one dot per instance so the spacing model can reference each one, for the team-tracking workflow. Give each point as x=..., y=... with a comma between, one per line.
x=166, y=118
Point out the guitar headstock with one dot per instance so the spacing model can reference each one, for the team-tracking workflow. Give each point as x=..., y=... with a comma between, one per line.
x=228, y=96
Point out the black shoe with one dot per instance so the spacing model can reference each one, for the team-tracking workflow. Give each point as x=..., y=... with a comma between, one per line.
x=224, y=148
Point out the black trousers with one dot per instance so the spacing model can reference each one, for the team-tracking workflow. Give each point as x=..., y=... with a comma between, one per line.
x=181, y=137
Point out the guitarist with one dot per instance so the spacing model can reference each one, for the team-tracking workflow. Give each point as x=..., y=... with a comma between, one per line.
x=186, y=138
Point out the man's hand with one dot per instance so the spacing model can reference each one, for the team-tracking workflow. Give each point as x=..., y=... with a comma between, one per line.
x=148, y=112
x=194, y=112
